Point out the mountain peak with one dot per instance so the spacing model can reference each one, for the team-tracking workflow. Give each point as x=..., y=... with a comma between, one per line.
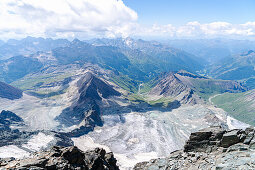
x=90, y=86
x=76, y=40
x=91, y=91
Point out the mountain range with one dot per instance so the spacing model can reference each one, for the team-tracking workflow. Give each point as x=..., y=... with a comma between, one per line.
x=28, y=46
x=237, y=67
x=139, y=99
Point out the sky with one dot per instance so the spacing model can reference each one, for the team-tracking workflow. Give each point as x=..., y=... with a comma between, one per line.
x=180, y=12
x=149, y=19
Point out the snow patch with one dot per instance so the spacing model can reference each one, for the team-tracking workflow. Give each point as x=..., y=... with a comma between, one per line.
x=38, y=142
x=235, y=124
x=12, y=151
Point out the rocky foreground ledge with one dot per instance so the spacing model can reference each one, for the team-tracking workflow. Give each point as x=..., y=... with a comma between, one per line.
x=211, y=148
x=64, y=158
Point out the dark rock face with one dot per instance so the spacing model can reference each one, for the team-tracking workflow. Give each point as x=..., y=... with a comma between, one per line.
x=90, y=87
x=204, y=139
x=14, y=137
x=65, y=158
x=231, y=138
x=9, y=92
x=7, y=118
x=91, y=91
x=210, y=148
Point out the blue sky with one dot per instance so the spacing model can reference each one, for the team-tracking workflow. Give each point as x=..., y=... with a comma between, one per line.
x=179, y=12
x=151, y=19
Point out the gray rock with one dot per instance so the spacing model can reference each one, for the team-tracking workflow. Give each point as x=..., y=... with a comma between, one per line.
x=248, y=138
x=230, y=138
x=66, y=158
x=234, y=155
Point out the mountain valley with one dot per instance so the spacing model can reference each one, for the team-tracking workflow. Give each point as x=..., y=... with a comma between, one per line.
x=138, y=99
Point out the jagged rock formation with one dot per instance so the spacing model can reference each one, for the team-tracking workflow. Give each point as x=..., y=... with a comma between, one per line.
x=86, y=108
x=211, y=148
x=9, y=92
x=65, y=158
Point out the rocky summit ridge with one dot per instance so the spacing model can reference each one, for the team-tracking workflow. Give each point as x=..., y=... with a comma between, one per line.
x=211, y=148
x=64, y=158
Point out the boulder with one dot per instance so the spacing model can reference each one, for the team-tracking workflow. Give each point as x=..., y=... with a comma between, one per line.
x=205, y=139
x=230, y=138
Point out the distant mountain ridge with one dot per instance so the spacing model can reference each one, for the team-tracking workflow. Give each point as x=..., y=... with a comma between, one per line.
x=153, y=55
x=138, y=59
x=212, y=50
x=236, y=67
x=17, y=67
x=29, y=45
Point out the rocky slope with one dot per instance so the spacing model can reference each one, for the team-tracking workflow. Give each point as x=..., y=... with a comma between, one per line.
x=173, y=87
x=187, y=87
x=64, y=158
x=211, y=148
x=8, y=119
x=86, y=109
x=9, y=92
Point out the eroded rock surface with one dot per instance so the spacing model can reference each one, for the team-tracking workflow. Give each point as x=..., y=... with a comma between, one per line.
x=65, y=158
x=210, y=148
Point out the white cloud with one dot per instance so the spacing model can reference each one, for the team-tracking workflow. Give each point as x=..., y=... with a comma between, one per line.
x=64, y=18
x=99, y=18
x=208, y=30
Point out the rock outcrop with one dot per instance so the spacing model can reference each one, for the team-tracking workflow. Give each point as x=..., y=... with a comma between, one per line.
x=211, y=148
x=64, y=158
x=8, y=118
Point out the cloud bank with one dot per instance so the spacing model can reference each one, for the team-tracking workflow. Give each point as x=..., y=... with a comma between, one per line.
x=65, y=18
x=99, y=18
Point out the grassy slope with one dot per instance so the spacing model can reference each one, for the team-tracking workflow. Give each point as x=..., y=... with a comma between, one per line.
x=31, y=82
x=126, y=83
x=206, y=87
x=161, y=102
x=236, y=105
